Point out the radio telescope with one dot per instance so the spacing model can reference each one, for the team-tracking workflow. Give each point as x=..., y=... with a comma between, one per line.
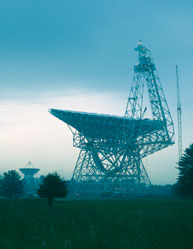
x=30, y=182
x=112, y=147
x=29, y=171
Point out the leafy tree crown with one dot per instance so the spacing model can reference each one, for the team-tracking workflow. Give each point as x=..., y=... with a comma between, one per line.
x=185, y=177
x=52, y=186
x=11, y=185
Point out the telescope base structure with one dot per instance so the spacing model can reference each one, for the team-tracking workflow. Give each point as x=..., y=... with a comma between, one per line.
x=96, y=172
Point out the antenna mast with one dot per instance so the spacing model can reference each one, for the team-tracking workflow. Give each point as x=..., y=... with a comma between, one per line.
x=179, y=115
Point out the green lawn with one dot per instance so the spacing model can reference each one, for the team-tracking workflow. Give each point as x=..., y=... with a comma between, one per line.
x=120, y=224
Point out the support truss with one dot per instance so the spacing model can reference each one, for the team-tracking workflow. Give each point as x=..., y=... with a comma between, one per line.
x=112, y=147
x=92, y=165
x=97, y=163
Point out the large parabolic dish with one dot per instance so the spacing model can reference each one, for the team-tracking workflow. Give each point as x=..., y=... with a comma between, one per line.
x=112, y=147
x=105, y=130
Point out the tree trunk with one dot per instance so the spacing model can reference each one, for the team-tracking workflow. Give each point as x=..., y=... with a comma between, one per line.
x=50, y=201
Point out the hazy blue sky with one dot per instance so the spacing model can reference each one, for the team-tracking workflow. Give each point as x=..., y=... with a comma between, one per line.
x=78, y=54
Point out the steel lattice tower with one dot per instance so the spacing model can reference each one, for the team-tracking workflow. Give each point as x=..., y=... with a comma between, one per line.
x=179, y=115
x=112, y=147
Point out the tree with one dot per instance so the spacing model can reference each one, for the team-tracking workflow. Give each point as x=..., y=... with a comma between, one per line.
x=51, y=187
x=184, y=184
x=11, y=185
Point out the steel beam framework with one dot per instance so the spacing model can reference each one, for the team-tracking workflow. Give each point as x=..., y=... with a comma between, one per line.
x=112, y=148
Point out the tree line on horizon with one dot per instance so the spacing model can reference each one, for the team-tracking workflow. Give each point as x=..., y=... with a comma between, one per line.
x=53, y=186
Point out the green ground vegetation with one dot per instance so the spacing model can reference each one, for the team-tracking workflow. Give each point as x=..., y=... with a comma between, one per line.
x=90, y=224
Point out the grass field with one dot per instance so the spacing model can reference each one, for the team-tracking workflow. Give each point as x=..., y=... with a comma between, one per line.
x=108, y=224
